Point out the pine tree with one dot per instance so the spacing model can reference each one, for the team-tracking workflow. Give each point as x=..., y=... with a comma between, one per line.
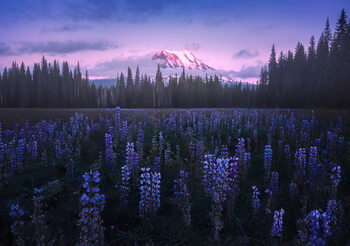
x=159, y=87
x=129, y=89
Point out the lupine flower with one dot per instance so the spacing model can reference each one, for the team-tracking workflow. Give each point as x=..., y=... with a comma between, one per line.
x=192, y=149
x=109, y=154
x=199, y=150
x=157, y=164
x=161, y=144
x=255, y=199
x=20, y=152
x=182, y=197
x=167, y=153
x=16, y=228
x=34, y=151
x=332, y=210
x=139, y=144
x=318, y=228
x=312, y=165
x=267, y=161
x=125, y=184
x=149, y=192
x=277, y=227
x=92, y=204
x=132, y=159
x=58, y=149
x=224, y=152
x=38, y=218
x=154, y=147
x=117, y=117
x=300, y=157
x=335, y=179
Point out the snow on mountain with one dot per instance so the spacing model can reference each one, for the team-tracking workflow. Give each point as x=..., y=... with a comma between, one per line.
x=179, y=59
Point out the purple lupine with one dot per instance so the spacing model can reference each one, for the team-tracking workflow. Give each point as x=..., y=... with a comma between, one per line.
x=312, y=165
x=255, y=199
x=267, y=161
x=224, y=151
x=240, y=149
x=156, y=166
x=332, y=211
x=242, y=156
x=318, y=228
x=20, y=152
x=192, y=150
x=199, y=150
x=116, y=117
x=161, y=144
x=2, y=153
x=34, y=150
x=16, y=228
x=58, y=149
x=215, y=176
x=232, y=184
x=139, y=144
x=300, y=158
x=38, y=218
x=12, y=155
x=124, y=132
x=125, y=184
x=92, y=204
x=109, y=154
x=277, y=227
x=155, y=147
x=167, y=153
x=335, y=179
x=132, y=159
x=182, y=197
x=149, y=192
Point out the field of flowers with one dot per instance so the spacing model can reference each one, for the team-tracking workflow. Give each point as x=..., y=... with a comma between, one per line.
x=177, y=177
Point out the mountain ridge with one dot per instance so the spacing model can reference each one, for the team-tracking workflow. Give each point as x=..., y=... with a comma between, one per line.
x=179, y=59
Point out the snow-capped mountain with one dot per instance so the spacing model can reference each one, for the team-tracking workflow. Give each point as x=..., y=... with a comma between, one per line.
x=179, y=59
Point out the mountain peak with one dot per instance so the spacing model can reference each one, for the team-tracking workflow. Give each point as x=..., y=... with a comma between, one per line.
x=179, y=59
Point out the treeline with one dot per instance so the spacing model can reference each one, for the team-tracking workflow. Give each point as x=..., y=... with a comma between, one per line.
x=49, y=86
x=46, y=86
x=316, y=77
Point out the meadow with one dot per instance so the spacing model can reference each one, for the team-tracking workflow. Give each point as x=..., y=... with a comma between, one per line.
x=174, y=177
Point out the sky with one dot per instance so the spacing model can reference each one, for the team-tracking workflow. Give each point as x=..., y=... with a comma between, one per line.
x=105, y=37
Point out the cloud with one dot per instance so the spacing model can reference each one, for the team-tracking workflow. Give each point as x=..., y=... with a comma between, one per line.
x=5, y=50
x=193, y=46
x=66, y=28
x=249, y=72
x=116, y=11
x=246, y=53
x=55, y=47
x=65, y=47
x=246, y=72
x=112, y=67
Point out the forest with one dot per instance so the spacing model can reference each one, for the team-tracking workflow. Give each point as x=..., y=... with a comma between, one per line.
x=314, y=77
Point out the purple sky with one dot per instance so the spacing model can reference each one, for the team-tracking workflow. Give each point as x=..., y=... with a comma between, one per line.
x=107, y=36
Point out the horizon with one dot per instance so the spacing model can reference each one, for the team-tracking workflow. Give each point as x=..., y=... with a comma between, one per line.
x=106, y=38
